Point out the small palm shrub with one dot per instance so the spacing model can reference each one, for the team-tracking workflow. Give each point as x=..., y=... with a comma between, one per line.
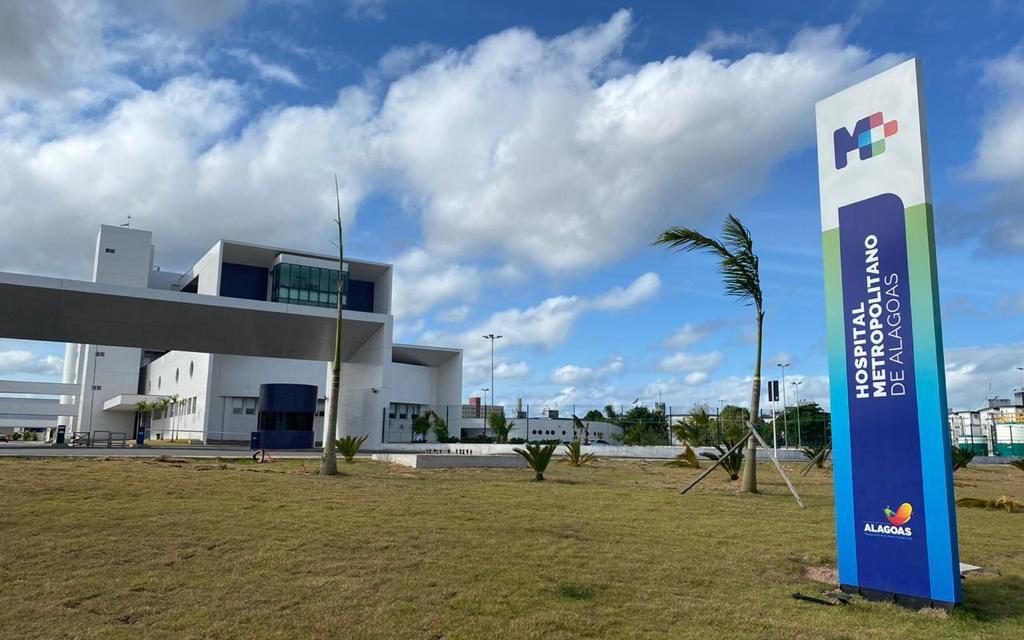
x=349, y=446
x=733, y=462
x=812, y=453
x=687, y=458
x=1018, y=463
x=961, y=457
x=537, y=456
x=574, y=454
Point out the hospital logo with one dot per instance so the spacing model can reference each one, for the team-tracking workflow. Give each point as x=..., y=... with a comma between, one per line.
x=869, y=135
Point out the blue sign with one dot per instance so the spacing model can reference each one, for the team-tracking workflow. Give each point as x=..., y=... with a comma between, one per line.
x=895, y=513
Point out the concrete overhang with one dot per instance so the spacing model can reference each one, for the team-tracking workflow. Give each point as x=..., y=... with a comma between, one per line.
x=127, y=401
x=59, y=310
x=422, y=356
x=34, y=407
x=38, y=388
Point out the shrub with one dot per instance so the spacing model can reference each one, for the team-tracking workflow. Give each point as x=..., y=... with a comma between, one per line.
x=961, y=457
x=516, y=440
x=1018, y=463
x=731, y=463
x=421, y=427
x=813, y=452
x=349, y=446
x=687, y=458
x=501, y=426
x=574, y=454
x=537, y=456
x=15, y=436
x=439, y=426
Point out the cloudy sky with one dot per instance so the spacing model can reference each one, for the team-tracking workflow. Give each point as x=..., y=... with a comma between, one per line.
x=514, y=161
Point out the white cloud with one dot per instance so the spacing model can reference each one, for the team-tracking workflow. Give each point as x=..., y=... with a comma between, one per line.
x=640, y=290
x=719, y=40
x=453, y=315
x=691, y=333
x=19, y=361
x=267, y=70
x=540, y=153
x=422, y=281
x=976, y=373
x=683, y=361
x=696, y=377
x=365, y=9
x=511, y=370
x=571, y=374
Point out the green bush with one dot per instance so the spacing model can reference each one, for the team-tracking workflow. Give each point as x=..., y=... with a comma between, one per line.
x=961, y=457
x=537, y=456
x=481, y=439
x=517, y=441
x=421, y=426
x=812, y=452
x=501, y=426
x=439, y=426
x=574, y=454
x=349, y=446
x=1018, y=463
x=733, y=462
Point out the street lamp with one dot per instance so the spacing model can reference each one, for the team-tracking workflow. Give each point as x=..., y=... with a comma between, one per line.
x=492, y=338
x=799, y=439
x=1020, y=379
x=785, y=416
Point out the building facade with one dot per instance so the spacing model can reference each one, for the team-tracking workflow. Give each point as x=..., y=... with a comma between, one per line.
x=211, y=397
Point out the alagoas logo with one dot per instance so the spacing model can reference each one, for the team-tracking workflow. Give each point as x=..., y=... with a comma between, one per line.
x=868, y=136
x=897, y=523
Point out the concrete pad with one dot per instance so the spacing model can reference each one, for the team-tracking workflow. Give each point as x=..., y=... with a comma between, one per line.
x=445, y=461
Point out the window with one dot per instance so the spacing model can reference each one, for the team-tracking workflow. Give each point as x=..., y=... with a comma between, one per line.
x=250, y=406
x=177, y=375
x=97, y=387
x=236, y=406
x=191, y=368
x=304, y=285
x=108, y=251
x=159, y=379
x=100, y=354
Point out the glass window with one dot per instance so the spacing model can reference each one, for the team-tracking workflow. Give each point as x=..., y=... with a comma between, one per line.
x=236, y=406
x=250, y=406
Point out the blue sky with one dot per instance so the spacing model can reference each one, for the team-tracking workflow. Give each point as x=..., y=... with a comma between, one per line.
x=514, y=160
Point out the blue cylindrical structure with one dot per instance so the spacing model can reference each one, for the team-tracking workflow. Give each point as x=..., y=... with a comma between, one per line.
x=285, y=416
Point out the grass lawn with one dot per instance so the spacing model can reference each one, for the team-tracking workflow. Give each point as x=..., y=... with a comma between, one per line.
x=141, y=549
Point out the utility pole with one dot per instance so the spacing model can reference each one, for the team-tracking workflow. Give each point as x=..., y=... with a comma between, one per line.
x=799, y=438
x=785, y=417
x=484, y=413
x=492, y=338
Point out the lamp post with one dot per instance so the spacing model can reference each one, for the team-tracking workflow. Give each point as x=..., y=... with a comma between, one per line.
x=785, y=416
x=492, y=338
x=799, y=439
x=1020, y=379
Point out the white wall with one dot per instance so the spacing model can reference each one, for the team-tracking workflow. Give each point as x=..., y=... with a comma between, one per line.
x=241, y=377
x=185, y=374
x=413, y=384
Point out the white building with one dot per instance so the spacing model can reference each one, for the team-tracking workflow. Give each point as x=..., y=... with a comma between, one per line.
x=212, y=397
x=996, y=429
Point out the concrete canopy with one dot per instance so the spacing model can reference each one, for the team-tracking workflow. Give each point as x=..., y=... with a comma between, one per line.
x=59, y=310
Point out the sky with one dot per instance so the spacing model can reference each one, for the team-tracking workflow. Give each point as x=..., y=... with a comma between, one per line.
x=514, y=161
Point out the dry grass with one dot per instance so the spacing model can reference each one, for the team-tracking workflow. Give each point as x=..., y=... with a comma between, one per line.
x=200, y=549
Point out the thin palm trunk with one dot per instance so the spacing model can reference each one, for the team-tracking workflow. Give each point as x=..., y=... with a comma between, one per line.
x=329, y=460
x=749, y=483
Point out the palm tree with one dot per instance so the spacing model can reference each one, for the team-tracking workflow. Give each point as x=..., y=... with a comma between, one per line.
x=329, y=460
x=500, y=426
x=537, y=457
x=739, y=268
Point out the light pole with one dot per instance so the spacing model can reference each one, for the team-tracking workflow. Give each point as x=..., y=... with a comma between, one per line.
x=1020, y=379
x=492, y=338
x=484, y=412
x=785, y=416
x=799, y=439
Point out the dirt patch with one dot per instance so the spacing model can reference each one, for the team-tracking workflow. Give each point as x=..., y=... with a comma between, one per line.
x=822, y=574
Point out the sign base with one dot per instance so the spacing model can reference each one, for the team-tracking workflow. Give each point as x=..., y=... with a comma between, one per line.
x=910, y=602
